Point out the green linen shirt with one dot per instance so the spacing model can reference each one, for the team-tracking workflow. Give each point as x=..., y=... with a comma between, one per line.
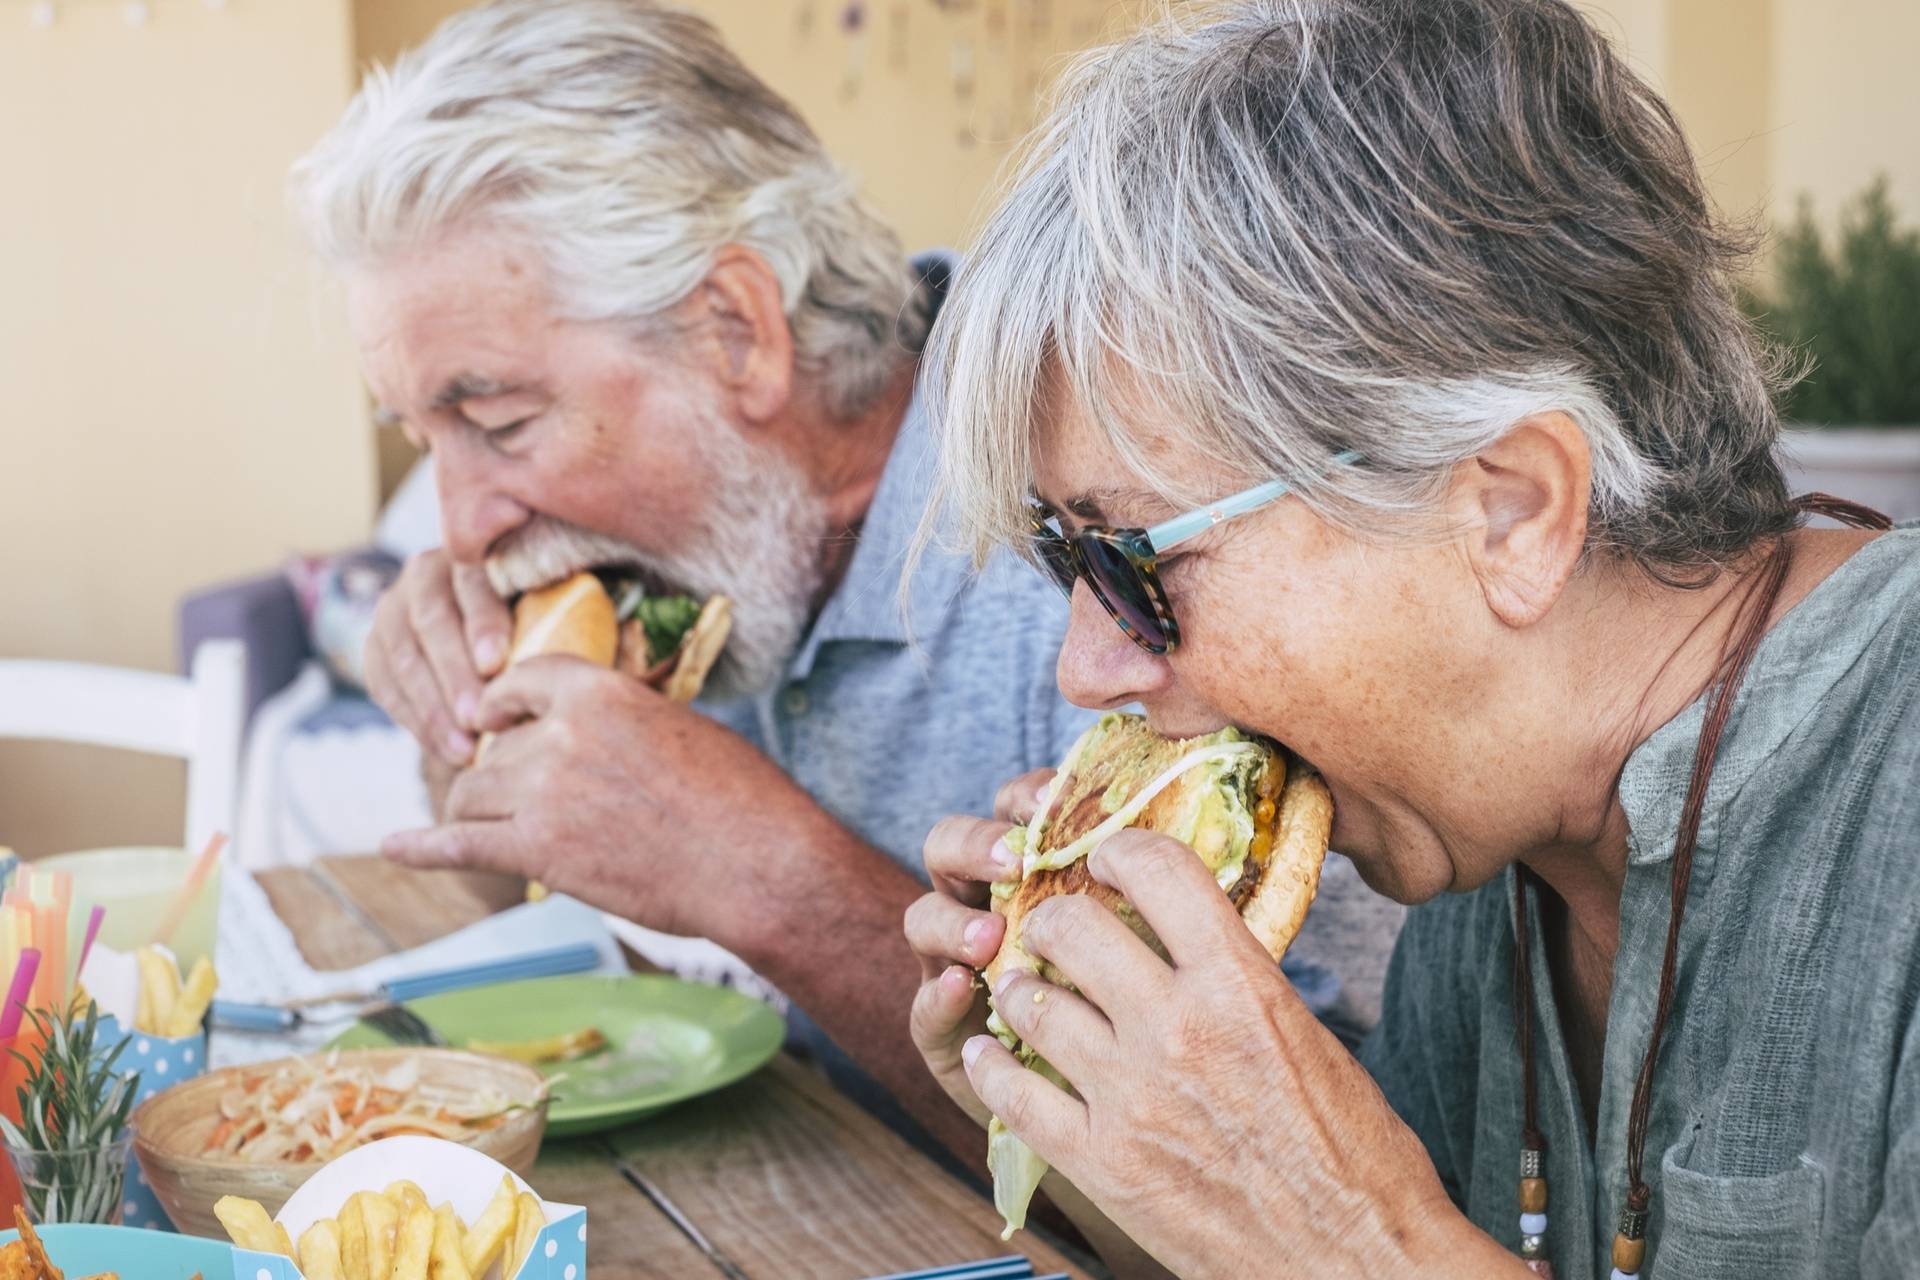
x=1785, y=1130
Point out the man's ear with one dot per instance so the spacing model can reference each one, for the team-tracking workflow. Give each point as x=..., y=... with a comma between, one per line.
x=1523, y=502
x=751, y=343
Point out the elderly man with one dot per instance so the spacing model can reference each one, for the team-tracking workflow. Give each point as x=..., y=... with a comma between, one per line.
x=616, y=286
x=640, y=319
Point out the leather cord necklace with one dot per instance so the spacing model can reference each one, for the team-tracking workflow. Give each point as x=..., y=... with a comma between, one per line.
x=1750, y=627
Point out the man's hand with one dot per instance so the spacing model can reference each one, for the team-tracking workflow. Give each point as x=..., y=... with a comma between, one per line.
x=1217, y=1122
x=953, y=933
x=439, y=632
x=603, y=789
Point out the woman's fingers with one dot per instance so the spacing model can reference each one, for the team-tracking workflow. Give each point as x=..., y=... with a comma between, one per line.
x=1096, y=951
x=1019, y=800
x=1046, y=1117
x=1174, y=893
x=944, y=1009
x=1060, y=1026
x=964, y=855
x=941, y=930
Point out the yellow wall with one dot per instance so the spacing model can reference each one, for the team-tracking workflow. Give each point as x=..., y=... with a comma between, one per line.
x=1784, y=98
x=1845, y=101
x=180, y=401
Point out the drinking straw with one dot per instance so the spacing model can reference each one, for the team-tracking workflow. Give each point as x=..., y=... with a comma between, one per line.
x=46, y=927
x=23, y=976
x=94, y=917
x=190, y=889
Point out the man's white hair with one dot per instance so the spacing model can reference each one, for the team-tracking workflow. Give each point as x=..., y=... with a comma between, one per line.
x=628, y=144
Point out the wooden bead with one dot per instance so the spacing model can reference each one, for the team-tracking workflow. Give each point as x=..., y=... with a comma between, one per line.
x=1628, y=1254
x=1533, y=1195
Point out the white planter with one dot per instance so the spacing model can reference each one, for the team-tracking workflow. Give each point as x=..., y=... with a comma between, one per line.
x=1879, y=466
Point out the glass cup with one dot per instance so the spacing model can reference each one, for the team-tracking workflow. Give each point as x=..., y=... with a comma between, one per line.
x=83, y=1185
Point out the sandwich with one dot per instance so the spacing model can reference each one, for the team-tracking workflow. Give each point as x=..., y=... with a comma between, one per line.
x=1258, y=821
x=669, y=642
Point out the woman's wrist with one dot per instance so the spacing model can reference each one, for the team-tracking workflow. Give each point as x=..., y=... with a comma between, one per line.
x=1431, y=1237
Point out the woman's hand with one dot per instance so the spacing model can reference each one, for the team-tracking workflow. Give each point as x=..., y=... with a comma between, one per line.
x=953, y=933
x=1218, y=1124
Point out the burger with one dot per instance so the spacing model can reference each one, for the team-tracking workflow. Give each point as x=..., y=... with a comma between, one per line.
x=1256, y=819
x=669, y=642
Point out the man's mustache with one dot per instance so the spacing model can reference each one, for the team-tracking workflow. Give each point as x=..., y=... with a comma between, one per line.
x=548, y=550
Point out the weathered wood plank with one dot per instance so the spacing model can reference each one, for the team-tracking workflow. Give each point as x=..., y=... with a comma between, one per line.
x=627, y=1238
x=789, y=1178
x=329, y=935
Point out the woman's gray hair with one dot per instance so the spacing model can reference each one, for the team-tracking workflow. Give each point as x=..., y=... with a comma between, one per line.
x=628, y=144
x=1282, y=230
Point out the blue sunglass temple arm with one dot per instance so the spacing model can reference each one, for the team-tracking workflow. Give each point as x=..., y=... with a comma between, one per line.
x=1164, y=536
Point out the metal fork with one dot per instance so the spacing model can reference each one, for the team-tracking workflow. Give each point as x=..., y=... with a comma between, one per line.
x=401, y=1025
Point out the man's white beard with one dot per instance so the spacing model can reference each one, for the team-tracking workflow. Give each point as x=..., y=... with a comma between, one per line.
x=758, y=543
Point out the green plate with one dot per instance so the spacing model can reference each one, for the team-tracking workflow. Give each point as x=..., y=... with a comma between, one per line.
x=667, y=1040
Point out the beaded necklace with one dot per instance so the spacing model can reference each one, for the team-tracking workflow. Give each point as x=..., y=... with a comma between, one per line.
x=1630, y=1235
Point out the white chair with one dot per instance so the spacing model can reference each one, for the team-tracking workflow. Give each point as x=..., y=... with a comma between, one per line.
x=196, y=717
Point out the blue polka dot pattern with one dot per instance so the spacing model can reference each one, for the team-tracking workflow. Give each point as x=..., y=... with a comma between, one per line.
x=161, y=1064
x=559, y=1251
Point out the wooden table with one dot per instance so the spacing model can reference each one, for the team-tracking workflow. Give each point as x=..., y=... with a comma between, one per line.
x=777, y=1176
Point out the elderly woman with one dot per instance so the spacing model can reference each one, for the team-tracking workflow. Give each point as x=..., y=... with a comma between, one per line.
x=1536, y=604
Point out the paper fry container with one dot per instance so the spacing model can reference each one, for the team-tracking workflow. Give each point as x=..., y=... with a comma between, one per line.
x=448, y=1173
x=162, y=1062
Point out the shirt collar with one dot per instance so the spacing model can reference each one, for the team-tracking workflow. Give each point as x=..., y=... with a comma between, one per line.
x=1796, y=666
x=867, y=604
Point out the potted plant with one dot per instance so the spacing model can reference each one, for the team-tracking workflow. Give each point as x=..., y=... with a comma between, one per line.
x=70, y=1147
x=1852, y=308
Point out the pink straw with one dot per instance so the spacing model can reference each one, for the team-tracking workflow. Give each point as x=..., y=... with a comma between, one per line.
x=16, y=1009
x=94, y=917
x=183, y=901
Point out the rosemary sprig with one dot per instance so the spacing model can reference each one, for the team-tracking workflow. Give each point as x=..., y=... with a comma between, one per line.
x=73, y=1107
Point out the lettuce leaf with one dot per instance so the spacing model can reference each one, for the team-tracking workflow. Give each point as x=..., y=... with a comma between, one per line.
x=1016, y=1170
x=667, y=620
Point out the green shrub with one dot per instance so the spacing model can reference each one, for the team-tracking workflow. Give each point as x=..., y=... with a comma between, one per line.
x=1853, y=309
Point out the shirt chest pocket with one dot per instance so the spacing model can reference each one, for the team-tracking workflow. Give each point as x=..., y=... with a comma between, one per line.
x=1718, y=1228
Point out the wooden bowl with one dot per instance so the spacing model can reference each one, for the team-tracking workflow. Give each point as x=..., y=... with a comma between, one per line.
x=171, y=1131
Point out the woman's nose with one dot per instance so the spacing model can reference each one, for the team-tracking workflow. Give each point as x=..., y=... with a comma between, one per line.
x=1100, y=665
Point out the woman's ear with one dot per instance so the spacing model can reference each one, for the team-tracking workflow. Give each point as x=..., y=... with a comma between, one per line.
x=751, y=343
x=1523, y=501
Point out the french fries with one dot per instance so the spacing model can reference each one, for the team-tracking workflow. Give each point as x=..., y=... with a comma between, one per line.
x=413, y=1245
x=195, y=995
x=396, y=1235
x=251, y=1228
x=320, y=1252
x=449, y=1260
x=167, y=1005
x=381, y=1218
x=560, y=1048
x=490, y=1230
x=529, y=1218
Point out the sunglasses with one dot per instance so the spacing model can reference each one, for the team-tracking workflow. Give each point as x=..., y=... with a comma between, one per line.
x=1121, y=566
